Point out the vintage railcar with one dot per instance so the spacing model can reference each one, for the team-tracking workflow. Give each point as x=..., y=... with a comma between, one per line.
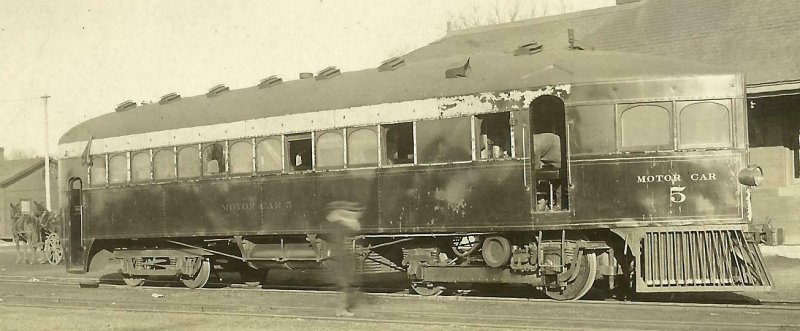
x=556, y=169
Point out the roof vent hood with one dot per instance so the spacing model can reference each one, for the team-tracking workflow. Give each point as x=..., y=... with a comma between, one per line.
x=270, y=81
x=128, y=104
x=217, y=90
x=528, y=49
x=172, y=97
x=457, y=72
x=328, y=72
x=391, y=64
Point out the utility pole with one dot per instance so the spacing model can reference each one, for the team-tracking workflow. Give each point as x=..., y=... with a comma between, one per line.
x=46, y=156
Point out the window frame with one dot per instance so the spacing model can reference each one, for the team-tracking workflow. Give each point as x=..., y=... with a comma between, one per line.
x=383, y=158
x=376, y=132
x=198, y=158
x=681, y=105
x=252, y=159
x=315, y=148
x=620, y=110
x=287, y=139
x=150, y=166
x=174, y=164
x=91, y=170
x=471, y=140
x=222, y=173
x=281, y=140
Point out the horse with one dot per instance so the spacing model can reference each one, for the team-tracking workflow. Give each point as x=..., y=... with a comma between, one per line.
x=26, y=228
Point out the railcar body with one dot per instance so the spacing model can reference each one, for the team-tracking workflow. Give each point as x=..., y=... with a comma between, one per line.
x=644, y=188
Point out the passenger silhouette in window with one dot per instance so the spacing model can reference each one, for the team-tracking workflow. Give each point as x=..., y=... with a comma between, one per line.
x=400, y=143
x=495, y=136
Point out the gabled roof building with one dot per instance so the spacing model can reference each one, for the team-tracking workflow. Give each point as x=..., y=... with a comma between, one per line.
x=22, y=181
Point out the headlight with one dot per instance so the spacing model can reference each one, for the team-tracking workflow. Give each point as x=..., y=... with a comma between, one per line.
x=751, y=176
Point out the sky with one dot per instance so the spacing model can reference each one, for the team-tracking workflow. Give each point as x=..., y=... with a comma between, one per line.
x=89, y=56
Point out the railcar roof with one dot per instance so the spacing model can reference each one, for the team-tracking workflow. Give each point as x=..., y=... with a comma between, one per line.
x=414, y=80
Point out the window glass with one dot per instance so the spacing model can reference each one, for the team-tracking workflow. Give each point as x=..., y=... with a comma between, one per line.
x=494, y=132
x=705, y=124
x=646, y=127
x=445, y=140
x=330, y=150
x=300, y=154
x=164, y=164
x=240, y=154
x=117, y=168
x=98, y=170
x=188, y=162
x=362, y=147
x=399, y=143
x=140, y=166
x=213, y=159
x=592, y=129
x=268, y=155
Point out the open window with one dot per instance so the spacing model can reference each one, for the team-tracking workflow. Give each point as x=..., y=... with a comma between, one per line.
x=299, y=148
x=399, y=143
x=549, y=161
x=214, y=159
x=494, y=136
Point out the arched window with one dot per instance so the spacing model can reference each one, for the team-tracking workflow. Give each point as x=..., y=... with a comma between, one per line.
x=646, y=127
x=140, y=166
x=188, y=162
x=213, y=159
x=240, y=154
x=98, y=171
x=705, y=124
x=268, y=155
x=117, y=169
x=362, y=148
x=330, y=150
x=164, y=164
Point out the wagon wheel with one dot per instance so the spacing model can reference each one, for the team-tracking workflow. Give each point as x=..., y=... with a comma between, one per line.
x=427, y=289
x=133, y=280
x=579, y=283
x=199, y=279
x=53, y=250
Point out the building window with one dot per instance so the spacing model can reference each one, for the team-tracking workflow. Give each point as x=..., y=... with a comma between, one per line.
x=705, y=124
x=362, y=148
x=98, y=171
x=213, y=159
x=164, y=164
x=399, y=147
x=140, y=166
x=269, y=155
x=240, y=154
x=300, y=154
x=646, y=127
x=188, y=162
x=444, y=140
x=330, y=150
x=494, y=136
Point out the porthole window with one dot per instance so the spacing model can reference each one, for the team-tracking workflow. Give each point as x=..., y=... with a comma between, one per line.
x=188, y=162
x=117, y=169
x=240, y=154
x=164, y=164
x=362, y=148
x=330, y=150
x=98, y=171
x=704, y=124
x=140, y=166
x=268, y=155
x=646, y=127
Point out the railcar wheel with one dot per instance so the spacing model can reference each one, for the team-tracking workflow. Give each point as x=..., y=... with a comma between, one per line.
x=496, y=251
x=580, y=283
x=199, y=279
x=52, y=249
x=133, y=280
x=427, y=289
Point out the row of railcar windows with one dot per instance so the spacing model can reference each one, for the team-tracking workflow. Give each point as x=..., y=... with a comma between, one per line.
x=422, y=142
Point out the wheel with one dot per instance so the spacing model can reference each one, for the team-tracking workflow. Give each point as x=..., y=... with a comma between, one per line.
x=496, y=251
x=132, y=280
x=199, y=279
x=580, y=284
x=52, y=249
x=427, y=289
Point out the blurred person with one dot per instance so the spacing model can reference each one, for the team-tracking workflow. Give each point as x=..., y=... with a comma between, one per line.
x=343, y=219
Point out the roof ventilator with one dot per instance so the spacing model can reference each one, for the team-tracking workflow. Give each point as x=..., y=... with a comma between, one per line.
x=528, y=49
x=457, y=72
x=328, y=73
x=270, y=81
x=575, y=44
x=169, y=98
x=128, y=104
x=306, y=75
x=217, y=90
x=391, y=64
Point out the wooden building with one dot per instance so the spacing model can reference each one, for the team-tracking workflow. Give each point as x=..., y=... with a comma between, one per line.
x=23, y=181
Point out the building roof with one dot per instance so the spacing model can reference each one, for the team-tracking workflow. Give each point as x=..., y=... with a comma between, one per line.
x=490, y=71
x=14, y=170
x=759, y=38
